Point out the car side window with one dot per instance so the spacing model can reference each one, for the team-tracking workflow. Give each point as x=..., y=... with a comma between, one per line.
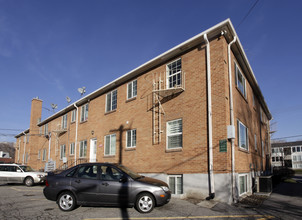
x=3, y=168
x=70, y=174
x=12, y=169
x=110, y=174
x=87, y=172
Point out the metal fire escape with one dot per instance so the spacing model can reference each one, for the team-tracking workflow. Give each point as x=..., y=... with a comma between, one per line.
x=165, y=86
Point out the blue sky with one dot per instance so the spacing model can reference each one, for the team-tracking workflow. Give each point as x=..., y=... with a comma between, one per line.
x=49, y=48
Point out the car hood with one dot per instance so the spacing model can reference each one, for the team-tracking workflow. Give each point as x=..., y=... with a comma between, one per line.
x=152, y=181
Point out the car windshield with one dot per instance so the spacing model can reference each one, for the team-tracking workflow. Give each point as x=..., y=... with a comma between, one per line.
x=27, y=169
x=131, y=173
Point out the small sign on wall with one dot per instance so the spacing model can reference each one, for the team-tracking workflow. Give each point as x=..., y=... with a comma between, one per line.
x=223, y=145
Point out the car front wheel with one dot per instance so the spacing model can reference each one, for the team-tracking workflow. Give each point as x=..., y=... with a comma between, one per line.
x=145, y=203
x=66, y=201
x=29, y=181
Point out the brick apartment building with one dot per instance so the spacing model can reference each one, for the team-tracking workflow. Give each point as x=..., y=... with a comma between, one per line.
x=193, y=116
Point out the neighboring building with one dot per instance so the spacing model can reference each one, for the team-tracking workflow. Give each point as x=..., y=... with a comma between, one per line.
x=7, y=152
x=287, y=154
x=193, y=116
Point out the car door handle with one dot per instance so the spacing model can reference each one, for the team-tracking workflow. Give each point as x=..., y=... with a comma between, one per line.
x=105, y=184
x=77, y=181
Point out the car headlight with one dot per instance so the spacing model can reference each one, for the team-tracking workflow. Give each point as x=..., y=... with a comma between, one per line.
x=165, y=188
x=40, y=176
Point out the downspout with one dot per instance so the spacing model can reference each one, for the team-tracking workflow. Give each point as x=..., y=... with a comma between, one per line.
x=232, y=120
x=76, y=135
x=25, y=140
x=49, y=144
x=209, y=105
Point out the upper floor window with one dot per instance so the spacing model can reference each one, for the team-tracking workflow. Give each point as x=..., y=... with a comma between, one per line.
x=73, y=115
x=84, y=113
x=240, y=81
x=174, y=74
x=131, y=138
x=242, y=136
x=64, y=121
x=174, y=134
x=132, y=89
x=111, y=101
x=46, y=129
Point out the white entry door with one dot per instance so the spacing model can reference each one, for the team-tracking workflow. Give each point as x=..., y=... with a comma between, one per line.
x=92, y=157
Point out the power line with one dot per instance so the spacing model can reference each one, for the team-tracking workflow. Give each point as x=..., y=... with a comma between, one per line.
x=287, y=137
x=251, y=9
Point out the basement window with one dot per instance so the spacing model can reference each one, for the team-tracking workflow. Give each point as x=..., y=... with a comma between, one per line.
x=243, y=184
x=176, y=184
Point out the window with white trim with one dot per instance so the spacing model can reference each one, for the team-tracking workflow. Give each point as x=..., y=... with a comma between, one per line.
x=240, y=81
x=175, y=184
x=174, y=74
x=64, y=121
x=73, y=115
x=242, y=136
x=111, y=101
x=131, y=138
x=44, y=155
x=110, y=144
x=72, y=145
x=62, y=151
x=243, y=184
x=84, y=113
x=174, y=134
x=132, y=89
x=83, y=149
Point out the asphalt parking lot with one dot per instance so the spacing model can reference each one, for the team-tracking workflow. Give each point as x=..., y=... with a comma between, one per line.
x=21, y=202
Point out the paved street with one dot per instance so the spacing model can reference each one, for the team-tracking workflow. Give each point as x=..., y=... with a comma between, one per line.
x=21, y=202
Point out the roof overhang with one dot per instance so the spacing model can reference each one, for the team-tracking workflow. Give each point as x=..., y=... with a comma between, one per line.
x=229, y=33
x=22, y=133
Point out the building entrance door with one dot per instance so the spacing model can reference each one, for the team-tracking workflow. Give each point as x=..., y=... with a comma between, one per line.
x=92, y=157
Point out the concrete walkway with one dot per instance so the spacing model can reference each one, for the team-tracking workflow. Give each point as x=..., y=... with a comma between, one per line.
x=286, y=201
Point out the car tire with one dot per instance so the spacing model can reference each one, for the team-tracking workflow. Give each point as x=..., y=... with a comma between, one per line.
x=29, y=181
x=144, y=203
x=66, y=201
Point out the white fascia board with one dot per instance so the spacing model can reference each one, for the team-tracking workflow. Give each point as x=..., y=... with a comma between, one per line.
x=138, y=70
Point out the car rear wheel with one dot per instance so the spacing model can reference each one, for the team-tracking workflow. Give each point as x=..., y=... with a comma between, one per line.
x=29, y=181
x=66, y=201
x=145, y=203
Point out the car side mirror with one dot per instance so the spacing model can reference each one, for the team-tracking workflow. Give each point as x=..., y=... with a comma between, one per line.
x=123, y=179
x=18, y=171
